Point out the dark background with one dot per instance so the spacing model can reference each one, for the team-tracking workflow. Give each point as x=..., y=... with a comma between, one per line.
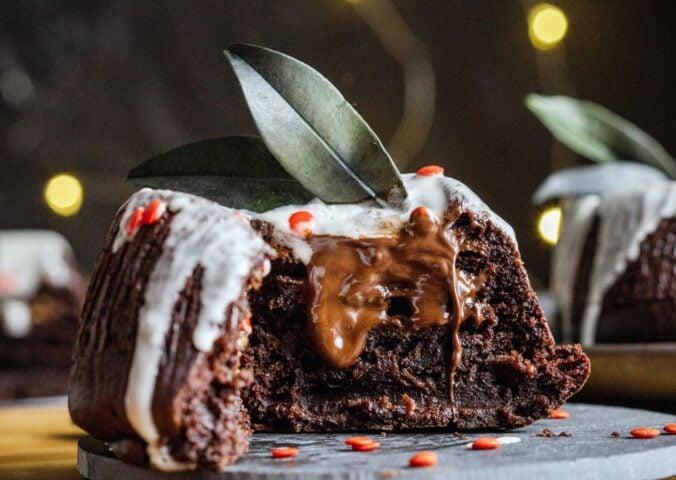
x=112, y=83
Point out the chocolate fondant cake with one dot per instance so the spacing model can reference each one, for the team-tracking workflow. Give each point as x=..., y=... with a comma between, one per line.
x=369, y=318
x=614, y=267
x=41, y=294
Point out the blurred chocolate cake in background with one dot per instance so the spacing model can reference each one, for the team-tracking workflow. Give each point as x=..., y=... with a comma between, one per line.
x=614, y=266
x=41, y=293
x=614, y=270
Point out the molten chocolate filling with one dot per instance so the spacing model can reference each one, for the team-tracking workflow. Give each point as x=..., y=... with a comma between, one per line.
x=357, y=285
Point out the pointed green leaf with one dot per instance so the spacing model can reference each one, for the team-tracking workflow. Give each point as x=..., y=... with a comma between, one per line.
x=597, y=133
x=237, y=171
x=312, y=130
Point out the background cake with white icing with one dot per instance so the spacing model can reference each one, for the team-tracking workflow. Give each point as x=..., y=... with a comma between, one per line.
x=41, y=294
x=613, y=272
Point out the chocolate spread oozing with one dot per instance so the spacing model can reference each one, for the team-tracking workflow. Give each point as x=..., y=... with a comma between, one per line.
x=357, y=285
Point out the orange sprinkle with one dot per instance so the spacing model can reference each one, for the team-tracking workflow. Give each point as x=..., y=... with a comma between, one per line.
x=430, y=170
x=366, y=447
x=246, y=325
x=420, y=212
x=284, y=452
x=559, y=414
x=302, y=222
x=423, y=459
x=7, y=283
x=134, y=222
x=645, y=432
x=352, y=441
x=670, y=428
x=485, y=443
x=154, y=211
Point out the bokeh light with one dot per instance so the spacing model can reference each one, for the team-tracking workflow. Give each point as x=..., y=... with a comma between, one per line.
x=549, y=225
x=63, y=194
x=547, y=26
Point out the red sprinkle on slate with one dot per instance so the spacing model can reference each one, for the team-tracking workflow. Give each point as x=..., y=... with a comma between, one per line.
x=246, y=325
x=670, y=428
x=134, y=221
x=430, y=170
x=423, y=459
x=559, y=414
x=485, y=443
x=352, y=441
x=366, y=447
x=284, y=452
x=154, y=211
x=302, y=222
x=645, y=432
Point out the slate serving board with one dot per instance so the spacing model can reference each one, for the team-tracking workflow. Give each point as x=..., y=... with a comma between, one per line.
x=590, y=453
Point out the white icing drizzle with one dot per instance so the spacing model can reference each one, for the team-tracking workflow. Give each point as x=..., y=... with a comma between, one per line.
x=366, y=219
x=625, y=220
x=27, y=259
x=201, y=233
x=578, y=214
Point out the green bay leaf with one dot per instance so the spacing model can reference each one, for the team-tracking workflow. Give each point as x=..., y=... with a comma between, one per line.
x=313, y=131
x=597, y=133
x=236, y=171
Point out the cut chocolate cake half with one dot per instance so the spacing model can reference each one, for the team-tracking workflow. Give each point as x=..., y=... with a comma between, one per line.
x=387, y=319
x=157, y=363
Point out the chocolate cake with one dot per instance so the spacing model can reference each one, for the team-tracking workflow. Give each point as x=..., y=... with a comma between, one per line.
x=157, y=362
x=369, y=317
x=41, y=294
x=613, y=271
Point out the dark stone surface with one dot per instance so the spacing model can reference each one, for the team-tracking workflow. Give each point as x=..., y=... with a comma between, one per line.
x=591, y=452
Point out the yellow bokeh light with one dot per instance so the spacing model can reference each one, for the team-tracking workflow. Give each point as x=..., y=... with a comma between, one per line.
x=547, y=25
x=63, y=194
x=549, y=225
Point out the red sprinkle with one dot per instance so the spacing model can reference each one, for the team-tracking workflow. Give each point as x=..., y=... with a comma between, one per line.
x=366, y=447
x=7, y=283
x=246, y=325
x=485, y=443
x=559, y=414
x=670, y=428
x=423, y=459
x=302, y=222
x=134, y=222
x=352, y=441
x=154, y=211
x=420, y=212
x=430, y=170
x=645, y=432
x=284, y=452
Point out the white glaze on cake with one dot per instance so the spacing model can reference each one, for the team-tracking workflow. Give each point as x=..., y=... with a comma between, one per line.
x=366, y=219
x=27, y=259
x=201, y=233
x=625, y=220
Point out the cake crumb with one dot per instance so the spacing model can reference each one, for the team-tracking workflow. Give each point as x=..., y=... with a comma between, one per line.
x=615, y=435
x=546, y=433
x=458, y=435
x=565, y=434
x=383, y=434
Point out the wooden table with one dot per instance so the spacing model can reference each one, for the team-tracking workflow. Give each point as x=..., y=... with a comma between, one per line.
x=38, y=441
